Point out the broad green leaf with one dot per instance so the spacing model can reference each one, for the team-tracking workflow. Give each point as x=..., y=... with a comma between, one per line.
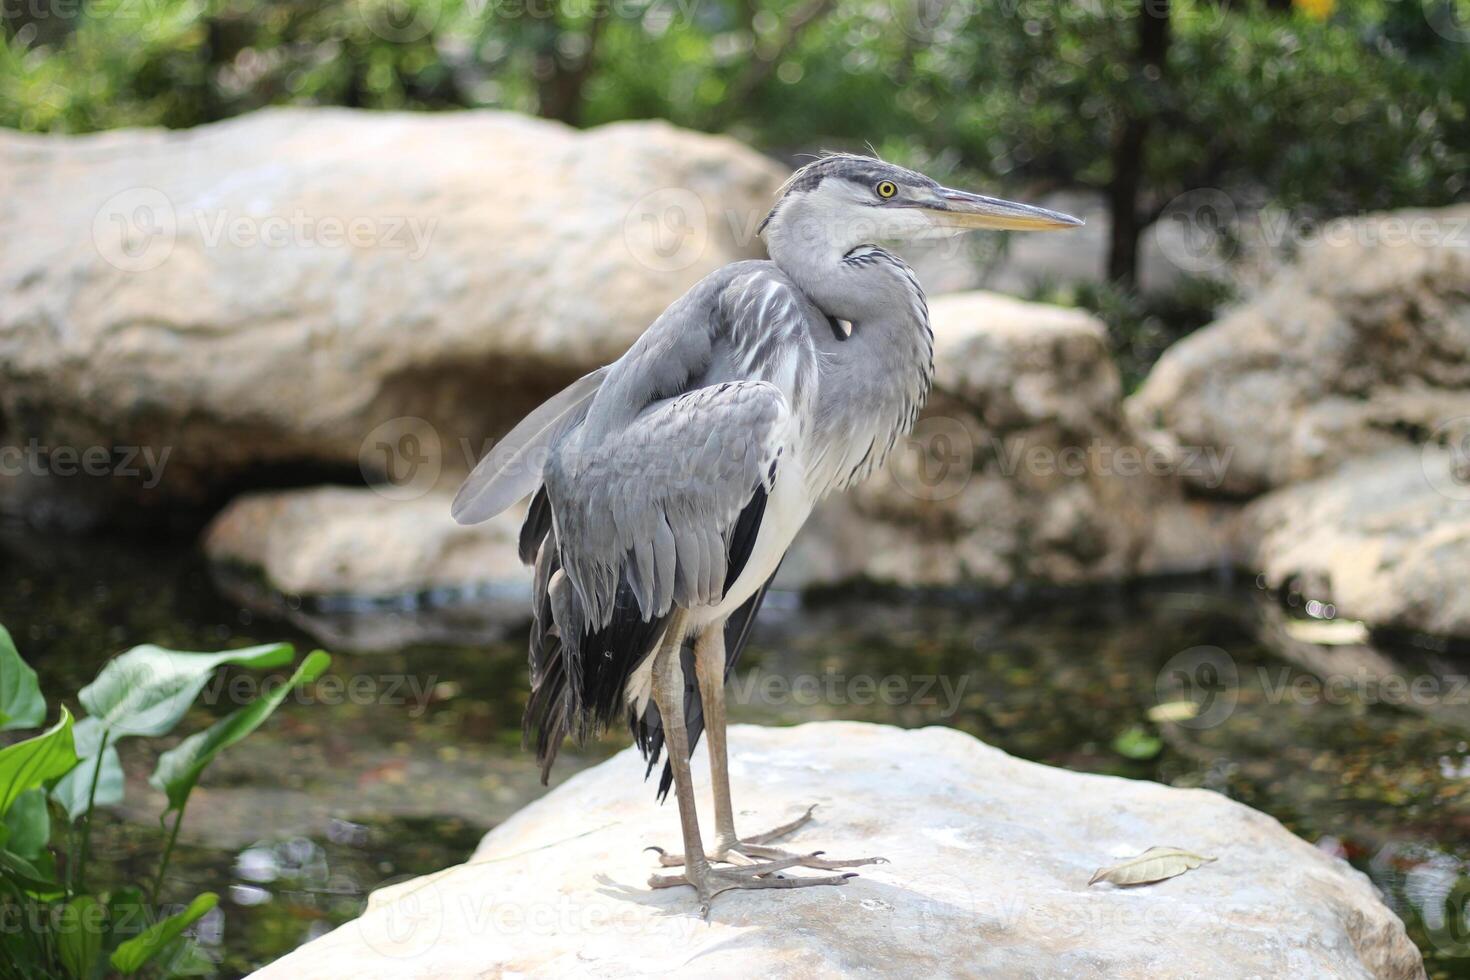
x=38, y=760
x=130, y=957
x=21, y=704
x=39, y=882
x=28, y=824
x=186, y=958
x=127, y=913
x=81, y=927
x=148, y=689
x=180, y=767
x=71, y=790
x=1154, y=864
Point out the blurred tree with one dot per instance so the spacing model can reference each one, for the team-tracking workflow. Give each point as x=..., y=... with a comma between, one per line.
x=1319, y=107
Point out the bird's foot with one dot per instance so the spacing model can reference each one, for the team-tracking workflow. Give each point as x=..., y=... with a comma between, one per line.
x=748, y=851
x=709, y=882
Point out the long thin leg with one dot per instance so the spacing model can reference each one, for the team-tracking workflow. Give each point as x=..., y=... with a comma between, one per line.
x=709, y=669
x=668, y=694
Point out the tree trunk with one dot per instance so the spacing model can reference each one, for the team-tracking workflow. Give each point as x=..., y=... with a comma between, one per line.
x=1130, y=142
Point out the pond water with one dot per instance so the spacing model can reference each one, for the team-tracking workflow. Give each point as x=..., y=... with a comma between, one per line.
x=399, y=765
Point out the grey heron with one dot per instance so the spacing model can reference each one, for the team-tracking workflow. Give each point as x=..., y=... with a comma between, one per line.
x=668, y=485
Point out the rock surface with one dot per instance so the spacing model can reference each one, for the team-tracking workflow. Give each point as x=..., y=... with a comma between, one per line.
x=1360, y=346
x=990, y=858
x=363, y=571
x=1022, y=467
x=271, y=288
x=1385, y=539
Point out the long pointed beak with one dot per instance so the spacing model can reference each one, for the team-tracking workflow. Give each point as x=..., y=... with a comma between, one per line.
x=961, y=209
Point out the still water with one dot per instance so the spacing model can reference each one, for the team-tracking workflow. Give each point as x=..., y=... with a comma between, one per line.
x=408, y=755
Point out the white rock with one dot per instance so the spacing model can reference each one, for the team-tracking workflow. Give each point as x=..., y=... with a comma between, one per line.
x=990, y=862
x=271, y=288
x=1360, y=346
x=1385, y=539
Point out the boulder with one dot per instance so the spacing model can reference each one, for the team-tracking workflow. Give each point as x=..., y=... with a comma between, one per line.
x=990, y=861
x=270, y=289
x=1386, y=540
x=1361, y=345
x=363, y=571
x=1021, y=469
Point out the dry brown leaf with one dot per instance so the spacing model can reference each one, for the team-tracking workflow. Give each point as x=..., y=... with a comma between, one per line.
x=1154, y=864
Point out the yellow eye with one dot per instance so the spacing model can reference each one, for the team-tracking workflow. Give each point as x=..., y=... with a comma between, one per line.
x=886, y=189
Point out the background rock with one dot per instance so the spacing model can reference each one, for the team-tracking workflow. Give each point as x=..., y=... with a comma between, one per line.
x=268, y=290
x=1361, y=345
x=1022, y=467
x=1386, y=539
x=362, y=571
x=990, y=862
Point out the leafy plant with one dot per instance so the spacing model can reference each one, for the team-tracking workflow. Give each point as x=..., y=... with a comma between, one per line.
x=64, y=773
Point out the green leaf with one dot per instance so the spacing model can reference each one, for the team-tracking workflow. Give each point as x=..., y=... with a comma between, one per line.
x=28, y=877
x=187, y=958
x=37, y=760
x=180, y=767
x=21, y=704
x=28, y=824
x=131, y=955
x=71, y=790
x=1137, y=743
x=148, y=689
x=82, y=925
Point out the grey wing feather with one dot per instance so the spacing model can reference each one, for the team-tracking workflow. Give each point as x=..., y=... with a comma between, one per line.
x=656, y=500
x=513, y=468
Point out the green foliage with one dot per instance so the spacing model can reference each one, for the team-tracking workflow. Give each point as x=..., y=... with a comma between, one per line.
x=133, y=954
x=179, y=768
x=147, y=690
x=69, y=930
x=1323, y=108
x=21, y=705
x=1142, y=324
x=28, y=764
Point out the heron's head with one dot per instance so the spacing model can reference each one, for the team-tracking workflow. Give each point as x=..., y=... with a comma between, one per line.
x=844, y=200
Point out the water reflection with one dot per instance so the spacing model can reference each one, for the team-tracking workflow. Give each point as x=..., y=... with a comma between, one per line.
x=1357, y=745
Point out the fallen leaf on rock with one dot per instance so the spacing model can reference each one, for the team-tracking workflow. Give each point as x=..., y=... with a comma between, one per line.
x=1154, y=864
